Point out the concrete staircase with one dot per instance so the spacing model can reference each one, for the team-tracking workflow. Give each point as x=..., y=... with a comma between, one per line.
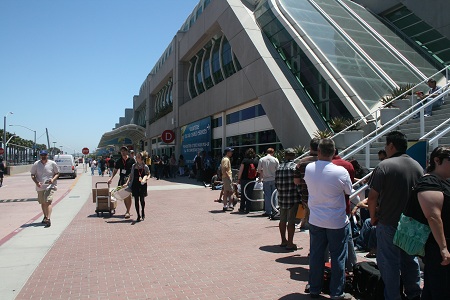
x=412, y=130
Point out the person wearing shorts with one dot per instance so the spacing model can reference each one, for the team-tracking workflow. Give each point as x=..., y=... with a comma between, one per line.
x=44, y=174
x=288, y=199
x=225, y=166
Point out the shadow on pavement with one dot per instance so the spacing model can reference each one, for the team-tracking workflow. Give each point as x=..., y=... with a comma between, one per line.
x=121, y=221
x=217, y=211
x=274, y=249
x=296, y=296
x=294, y=260
x=37, y=224
x=298, y=274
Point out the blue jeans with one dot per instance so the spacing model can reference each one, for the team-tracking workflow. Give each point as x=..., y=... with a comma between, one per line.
x=392, y=261
x=435, y=104
x=337, y=240
x=268, y=188
x=367, y=239
x=351, y=255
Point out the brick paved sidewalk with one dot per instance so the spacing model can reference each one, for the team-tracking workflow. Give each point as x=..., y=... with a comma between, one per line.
x=186, y=248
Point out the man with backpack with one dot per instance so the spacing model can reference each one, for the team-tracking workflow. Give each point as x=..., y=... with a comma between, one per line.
x=247, y=174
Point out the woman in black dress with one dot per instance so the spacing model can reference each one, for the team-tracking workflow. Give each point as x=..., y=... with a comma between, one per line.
x=137, y=181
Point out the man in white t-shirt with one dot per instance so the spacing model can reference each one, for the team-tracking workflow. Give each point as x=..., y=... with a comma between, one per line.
x=44, y=173
x=267, y=167
x=328, y=221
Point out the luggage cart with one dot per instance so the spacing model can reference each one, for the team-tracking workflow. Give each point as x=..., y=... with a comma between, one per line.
x=102, y=199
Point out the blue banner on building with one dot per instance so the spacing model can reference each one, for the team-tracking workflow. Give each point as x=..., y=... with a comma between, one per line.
x=195, y=137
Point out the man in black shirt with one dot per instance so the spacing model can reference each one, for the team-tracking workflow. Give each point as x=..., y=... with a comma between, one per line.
x=123, y=165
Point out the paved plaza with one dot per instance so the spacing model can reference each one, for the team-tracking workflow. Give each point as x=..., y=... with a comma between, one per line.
x=187, y=247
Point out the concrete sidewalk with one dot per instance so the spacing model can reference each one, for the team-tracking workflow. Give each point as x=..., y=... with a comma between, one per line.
x=186, y=248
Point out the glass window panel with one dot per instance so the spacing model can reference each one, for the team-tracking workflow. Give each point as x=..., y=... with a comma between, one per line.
x=199, y=11
x=217, y=143
x=398, y=43
x=262, y=7
x=192, y=78
x=260, y=111
x=217, y=122
x=264, y=16
x=248, y=113
x=233, y=118
x=342, y=55
x=281, y=38
x=248, y=139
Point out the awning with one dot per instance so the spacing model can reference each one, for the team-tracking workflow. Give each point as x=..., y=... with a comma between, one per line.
x=127, y=134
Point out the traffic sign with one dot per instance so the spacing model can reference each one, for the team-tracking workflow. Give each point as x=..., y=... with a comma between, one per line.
x=85, y=151
x=168, y=136
x=2, y=150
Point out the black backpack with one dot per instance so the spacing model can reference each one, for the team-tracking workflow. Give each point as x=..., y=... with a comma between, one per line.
x=367, y=282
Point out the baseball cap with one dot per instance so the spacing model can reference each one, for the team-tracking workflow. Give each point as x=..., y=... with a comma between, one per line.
x=131, y=151
x=43, y=152
x=123, y=148
x=289, y=151
x=228, y=149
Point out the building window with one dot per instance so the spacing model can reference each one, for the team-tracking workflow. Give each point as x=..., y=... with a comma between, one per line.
x=217, y=70
x=191, y=86
x=227, y=59
x=217, y=122
x=207, y=68
x=310, y=80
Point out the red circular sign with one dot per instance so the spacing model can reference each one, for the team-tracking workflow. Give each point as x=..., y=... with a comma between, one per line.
x=85, y=151
x=2, y=150
x=168, y=136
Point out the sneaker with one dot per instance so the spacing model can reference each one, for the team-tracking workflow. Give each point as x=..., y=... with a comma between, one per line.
x=225, y=208
x=345, y=296
x=231, y=207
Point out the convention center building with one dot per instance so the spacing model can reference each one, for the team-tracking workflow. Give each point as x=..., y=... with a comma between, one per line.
x=271, y=73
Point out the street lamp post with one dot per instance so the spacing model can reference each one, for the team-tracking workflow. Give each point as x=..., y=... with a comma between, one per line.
x=34, y=143
x=54, y=149
x=4, y=136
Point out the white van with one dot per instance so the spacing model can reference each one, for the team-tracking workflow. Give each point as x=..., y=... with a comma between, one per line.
x=66, y=164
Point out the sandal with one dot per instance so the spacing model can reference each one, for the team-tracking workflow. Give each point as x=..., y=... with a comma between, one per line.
x=127, y=216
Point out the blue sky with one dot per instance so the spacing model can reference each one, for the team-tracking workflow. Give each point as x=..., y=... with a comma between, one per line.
x=74, y=66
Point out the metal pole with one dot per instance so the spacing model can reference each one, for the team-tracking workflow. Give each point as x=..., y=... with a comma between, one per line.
x=4, y=134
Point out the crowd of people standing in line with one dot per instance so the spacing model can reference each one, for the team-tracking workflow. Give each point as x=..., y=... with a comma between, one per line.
x=322, y=182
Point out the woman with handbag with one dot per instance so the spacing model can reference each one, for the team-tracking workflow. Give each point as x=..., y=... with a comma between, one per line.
x=433, y=194
x=137, y=181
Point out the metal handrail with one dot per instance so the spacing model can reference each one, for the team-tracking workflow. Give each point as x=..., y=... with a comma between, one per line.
x=373, y=116
x=433, y=142
x=418, y=107
x=435, y=129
